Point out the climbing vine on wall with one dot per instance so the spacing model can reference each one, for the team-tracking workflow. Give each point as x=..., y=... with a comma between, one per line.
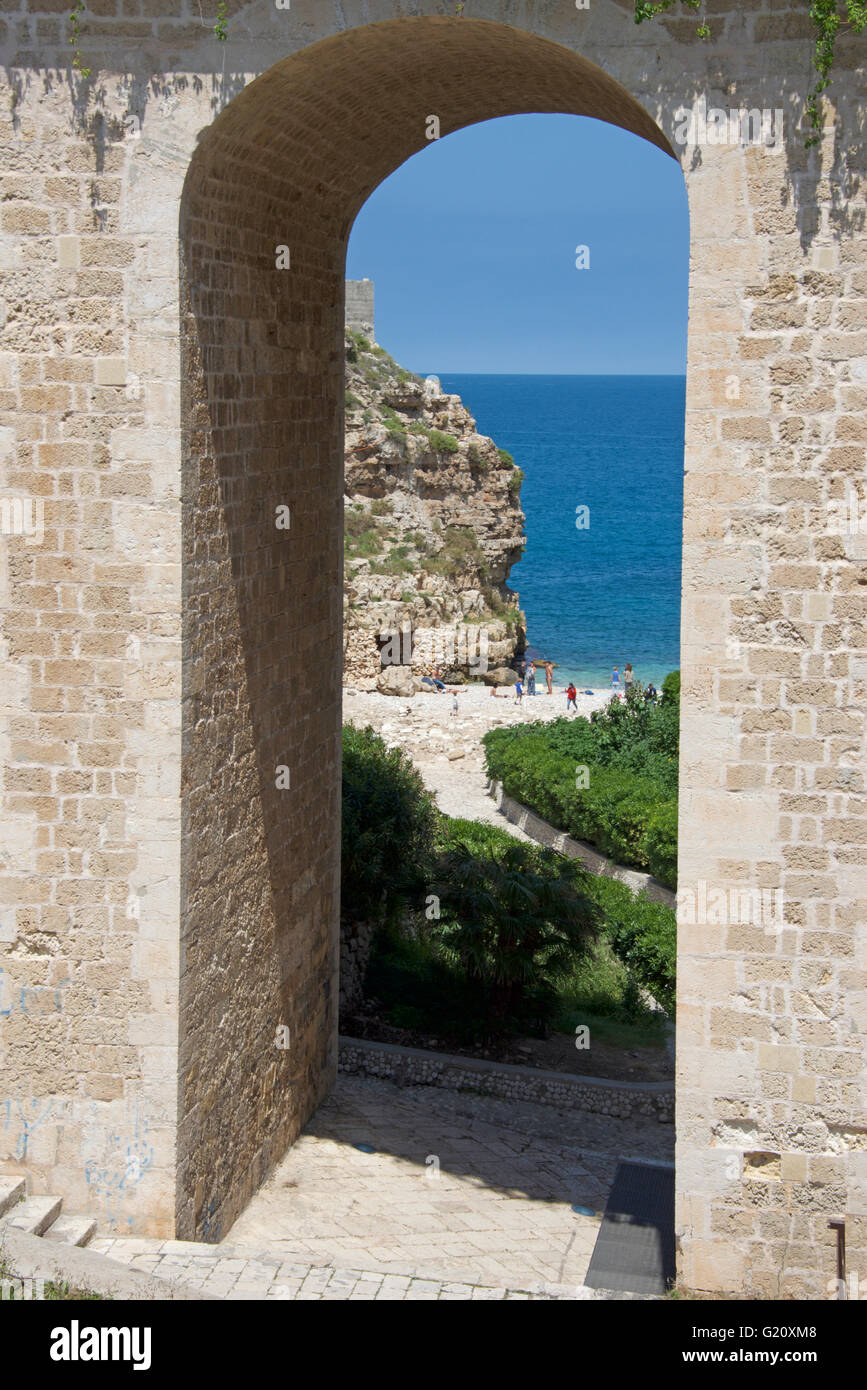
x=828, y=16
x=74, y=33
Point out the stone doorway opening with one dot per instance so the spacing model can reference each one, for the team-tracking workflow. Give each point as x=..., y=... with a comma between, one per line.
x=269, y=200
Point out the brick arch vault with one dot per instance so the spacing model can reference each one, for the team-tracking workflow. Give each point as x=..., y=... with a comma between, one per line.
x=169, y=915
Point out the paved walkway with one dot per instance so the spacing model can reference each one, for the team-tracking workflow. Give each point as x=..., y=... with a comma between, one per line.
x=461, y=1196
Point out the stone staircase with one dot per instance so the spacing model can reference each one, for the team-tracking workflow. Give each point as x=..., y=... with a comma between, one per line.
x=40, y=1216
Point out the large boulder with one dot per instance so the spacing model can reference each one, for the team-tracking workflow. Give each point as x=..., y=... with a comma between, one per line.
x=396, y=680
x=502, y=675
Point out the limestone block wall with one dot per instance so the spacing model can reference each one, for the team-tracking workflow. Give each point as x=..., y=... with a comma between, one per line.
x=359, y=307
x=172, y=246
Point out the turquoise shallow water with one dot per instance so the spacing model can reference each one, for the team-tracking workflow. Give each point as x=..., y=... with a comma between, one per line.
x=608, y=593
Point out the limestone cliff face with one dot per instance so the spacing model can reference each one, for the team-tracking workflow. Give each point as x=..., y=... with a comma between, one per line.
x=433, y=525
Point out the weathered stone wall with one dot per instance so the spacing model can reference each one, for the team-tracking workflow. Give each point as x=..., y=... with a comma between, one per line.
x=411, y=1066
x=359, y=307
x=164, y=907
x=356, y=941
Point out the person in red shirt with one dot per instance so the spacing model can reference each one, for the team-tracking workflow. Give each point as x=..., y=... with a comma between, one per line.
x=571, y=693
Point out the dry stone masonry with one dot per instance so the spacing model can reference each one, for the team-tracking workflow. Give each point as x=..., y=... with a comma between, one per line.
x=174, y=230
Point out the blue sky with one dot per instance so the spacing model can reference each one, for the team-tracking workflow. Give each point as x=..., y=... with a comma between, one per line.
x=471, y=245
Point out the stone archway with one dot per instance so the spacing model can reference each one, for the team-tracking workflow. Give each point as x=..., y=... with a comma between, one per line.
x=271, y=195
x=143, y=644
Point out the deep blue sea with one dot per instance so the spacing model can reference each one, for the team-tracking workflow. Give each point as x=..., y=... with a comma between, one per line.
x=609, y=593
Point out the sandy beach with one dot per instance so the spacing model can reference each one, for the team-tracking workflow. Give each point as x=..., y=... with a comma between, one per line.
x=447, y=748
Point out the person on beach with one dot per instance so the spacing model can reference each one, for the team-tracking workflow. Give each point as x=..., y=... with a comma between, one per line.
x=531, y=678
x=454, y=705
x=436, y=678
x=628, y=677
x=549, y=676
x=519, y=690
x=571, y=697
x=615, y=681
x=650, y=693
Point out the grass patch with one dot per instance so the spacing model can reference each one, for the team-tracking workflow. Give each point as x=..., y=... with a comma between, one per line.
x=460, y=551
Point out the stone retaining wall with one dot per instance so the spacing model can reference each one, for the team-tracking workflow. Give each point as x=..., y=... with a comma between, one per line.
x=539, y=829
x=356, y=939
x=410, y=1066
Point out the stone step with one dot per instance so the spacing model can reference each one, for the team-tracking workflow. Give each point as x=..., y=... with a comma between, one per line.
x=34, y=1215
x=71, y=1230
x=12, y=1189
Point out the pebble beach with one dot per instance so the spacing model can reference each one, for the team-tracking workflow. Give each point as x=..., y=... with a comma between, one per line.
x=447, y=747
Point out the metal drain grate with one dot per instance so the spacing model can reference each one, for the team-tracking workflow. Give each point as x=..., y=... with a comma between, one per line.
x=634, y=1250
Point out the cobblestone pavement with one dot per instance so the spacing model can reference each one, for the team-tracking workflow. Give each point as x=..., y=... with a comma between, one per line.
x=237, y=1273
x=459, y=1196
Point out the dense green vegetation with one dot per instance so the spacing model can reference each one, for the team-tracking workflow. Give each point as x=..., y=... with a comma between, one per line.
x=513, y=920
x=388, y=827
x=460, y=551
x=443, y=443
x=610, y=780
x=479, y=934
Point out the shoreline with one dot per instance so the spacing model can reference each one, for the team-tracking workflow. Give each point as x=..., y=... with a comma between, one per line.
x=446, y=748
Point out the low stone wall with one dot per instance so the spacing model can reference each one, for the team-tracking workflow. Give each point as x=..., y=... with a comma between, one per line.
x=410, y=1066
x=597, y=863
x=356, y=939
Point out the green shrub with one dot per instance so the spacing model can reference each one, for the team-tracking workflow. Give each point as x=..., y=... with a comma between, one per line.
x=443, y=443
x=350, y=401
x=513, y=920
x=460, y=551
x=506, y=458
x=628, y=809
x=515, y=480
x=363, y=535
x=381, y=506
x=395, y=562
x=671, y=689
x=660, y=843
x=355, y=522
x=388, y=827
x=643, y=934
x=477, y=459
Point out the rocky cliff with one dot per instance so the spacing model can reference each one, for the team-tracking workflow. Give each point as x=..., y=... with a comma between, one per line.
x=433, y=525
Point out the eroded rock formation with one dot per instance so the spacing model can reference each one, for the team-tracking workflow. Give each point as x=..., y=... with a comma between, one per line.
x=433, y=525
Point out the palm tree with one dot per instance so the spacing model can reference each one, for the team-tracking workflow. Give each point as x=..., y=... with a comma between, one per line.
x=514, y=919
